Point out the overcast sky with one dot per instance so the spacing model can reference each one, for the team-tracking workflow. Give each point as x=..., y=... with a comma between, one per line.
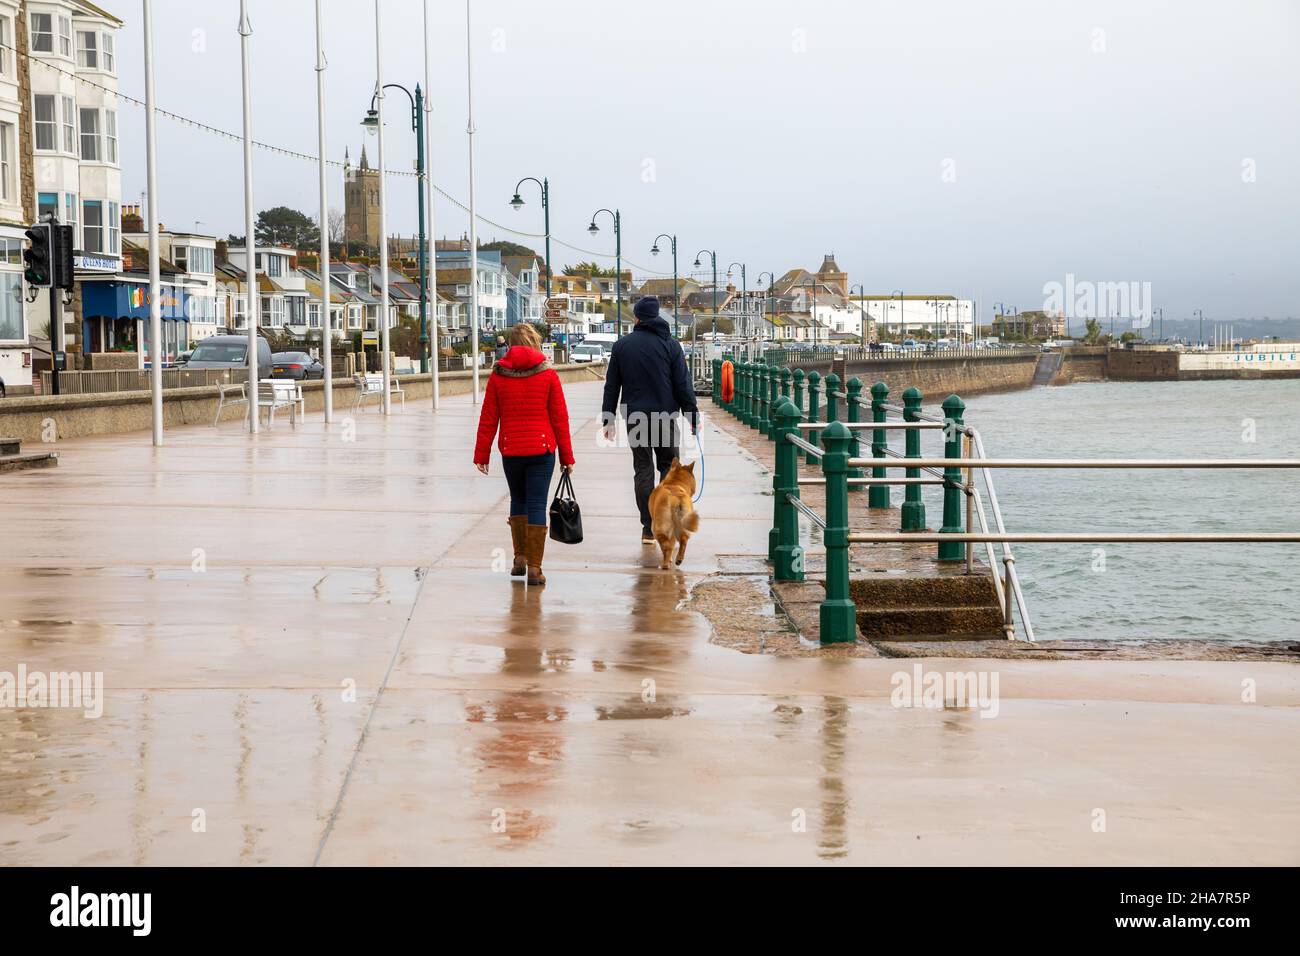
x=981, y=149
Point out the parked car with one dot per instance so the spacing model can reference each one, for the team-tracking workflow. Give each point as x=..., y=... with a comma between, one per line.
x=588, y=353
x=231, y=351
x=296, y=365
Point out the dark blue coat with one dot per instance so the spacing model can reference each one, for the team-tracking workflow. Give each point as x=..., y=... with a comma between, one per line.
x=648, y=369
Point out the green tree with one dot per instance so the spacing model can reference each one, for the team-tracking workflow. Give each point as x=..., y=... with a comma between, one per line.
x=1092, y=331
x=506, y=248
x=591, y=270
x=282, y=226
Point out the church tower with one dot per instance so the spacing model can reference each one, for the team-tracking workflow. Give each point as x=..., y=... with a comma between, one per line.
x=361, y=201
x=831, y=275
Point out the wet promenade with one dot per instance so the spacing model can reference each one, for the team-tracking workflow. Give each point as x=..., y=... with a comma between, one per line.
x=312, y=652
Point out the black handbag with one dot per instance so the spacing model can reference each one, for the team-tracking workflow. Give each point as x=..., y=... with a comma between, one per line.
x=566, y=516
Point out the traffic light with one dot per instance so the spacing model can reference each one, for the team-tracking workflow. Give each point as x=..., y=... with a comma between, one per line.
x=62, y=256
x=36, y=257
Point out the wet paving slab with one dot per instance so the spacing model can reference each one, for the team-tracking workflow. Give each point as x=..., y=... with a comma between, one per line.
x=311, y=652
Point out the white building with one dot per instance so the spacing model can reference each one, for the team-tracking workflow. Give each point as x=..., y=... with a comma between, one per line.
x=15, y=355
x=940, y=316
x=195, y=255
x=74, y=135
x=282, y=289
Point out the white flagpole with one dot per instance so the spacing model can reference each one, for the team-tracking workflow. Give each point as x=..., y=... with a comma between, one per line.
x=432, y=254
x=383, y=218
x=473, y=219
x=250, y=243
x=327, y=331
x=155, y=290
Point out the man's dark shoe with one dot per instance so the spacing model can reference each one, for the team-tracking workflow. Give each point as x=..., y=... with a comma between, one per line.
x=647, y=536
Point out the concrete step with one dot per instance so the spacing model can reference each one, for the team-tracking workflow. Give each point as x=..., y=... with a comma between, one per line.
x=912, y=590
x=10, y=463
x=10, y=446
x=930, y=623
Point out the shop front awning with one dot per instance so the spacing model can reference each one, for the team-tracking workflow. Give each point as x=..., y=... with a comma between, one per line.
x=130, y=300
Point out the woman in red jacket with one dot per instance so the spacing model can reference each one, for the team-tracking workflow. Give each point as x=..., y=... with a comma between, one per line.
x=525, y=397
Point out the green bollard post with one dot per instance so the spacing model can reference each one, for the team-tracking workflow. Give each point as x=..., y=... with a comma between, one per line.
x=878, y=497
x=832, y=384
x=717, y=381
x=742, y=392
x=773, y=396
x=753, y=395
x=913, y=506
x=953, y=408
x=814, y=413
x=797, y=377
x=747, y=413
x=785, y=381
x=783, y=544
x=760, y=419
x=838, y=614
x=853, y=408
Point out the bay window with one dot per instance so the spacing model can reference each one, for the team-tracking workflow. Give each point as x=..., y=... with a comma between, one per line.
x=45, y=121
x=69, y=125
x=93, y=226
x=91, y=148
x=42, y=33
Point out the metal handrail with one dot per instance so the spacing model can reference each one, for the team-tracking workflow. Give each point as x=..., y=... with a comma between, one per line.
x=809, y=447
x=1084, y=463
x=867, y=426
x=812, y=516
x=1008, y=560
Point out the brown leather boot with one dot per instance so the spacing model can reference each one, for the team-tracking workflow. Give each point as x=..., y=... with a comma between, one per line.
x=536, y=548
x=517, y=525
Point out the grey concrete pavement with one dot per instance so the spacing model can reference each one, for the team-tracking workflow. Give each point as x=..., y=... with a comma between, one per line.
x=308, y=645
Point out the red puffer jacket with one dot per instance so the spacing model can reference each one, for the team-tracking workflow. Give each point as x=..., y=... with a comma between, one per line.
x=525, y=397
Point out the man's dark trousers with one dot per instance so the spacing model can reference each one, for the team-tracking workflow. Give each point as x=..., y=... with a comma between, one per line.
x=648, y=458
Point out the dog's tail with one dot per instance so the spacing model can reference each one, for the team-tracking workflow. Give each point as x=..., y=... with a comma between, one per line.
x=692, y=522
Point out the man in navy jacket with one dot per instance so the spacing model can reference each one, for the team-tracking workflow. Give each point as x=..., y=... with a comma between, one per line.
x=648, y=370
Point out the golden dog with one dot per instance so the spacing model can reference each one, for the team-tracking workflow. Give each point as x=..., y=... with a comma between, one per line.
x=673, y=517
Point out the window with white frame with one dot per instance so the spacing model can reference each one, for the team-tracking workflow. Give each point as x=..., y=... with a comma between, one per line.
x=313, y=315
x=110, y=136
x=6, y=41
x=354, y=317
x=273, y=311
x=275, y=266
x=7, y=191
x=114, y=229
x=65, y=37
x=241, y=311
x=69, y=125
x=42, y=30
x=106, y=45
x=297, y=310
x=88, y=49
x=13, y=327
x=45, y=121
x=70, y=215
x=93, y=239
x=92, y=145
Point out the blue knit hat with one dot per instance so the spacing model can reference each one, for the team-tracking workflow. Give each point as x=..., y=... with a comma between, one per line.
x=646, y=307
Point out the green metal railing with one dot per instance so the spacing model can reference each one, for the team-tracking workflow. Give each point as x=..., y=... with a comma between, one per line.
x=833, y=444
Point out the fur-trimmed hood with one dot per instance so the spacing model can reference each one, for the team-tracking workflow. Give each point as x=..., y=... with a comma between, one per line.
x=520, y=361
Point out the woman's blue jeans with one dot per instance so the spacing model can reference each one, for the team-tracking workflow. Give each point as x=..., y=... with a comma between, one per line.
x=529, y=478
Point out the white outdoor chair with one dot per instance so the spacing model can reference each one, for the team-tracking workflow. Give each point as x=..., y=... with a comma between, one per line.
x=366, y=386
x=228, y=394
x=275, y=393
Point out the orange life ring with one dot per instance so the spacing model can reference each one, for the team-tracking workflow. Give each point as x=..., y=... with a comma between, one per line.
x=728, y=384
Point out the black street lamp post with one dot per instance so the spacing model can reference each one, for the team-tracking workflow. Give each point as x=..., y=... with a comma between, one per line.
x=618, y=259
x=518, y=203
x=654, y=251
x=371, y=123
